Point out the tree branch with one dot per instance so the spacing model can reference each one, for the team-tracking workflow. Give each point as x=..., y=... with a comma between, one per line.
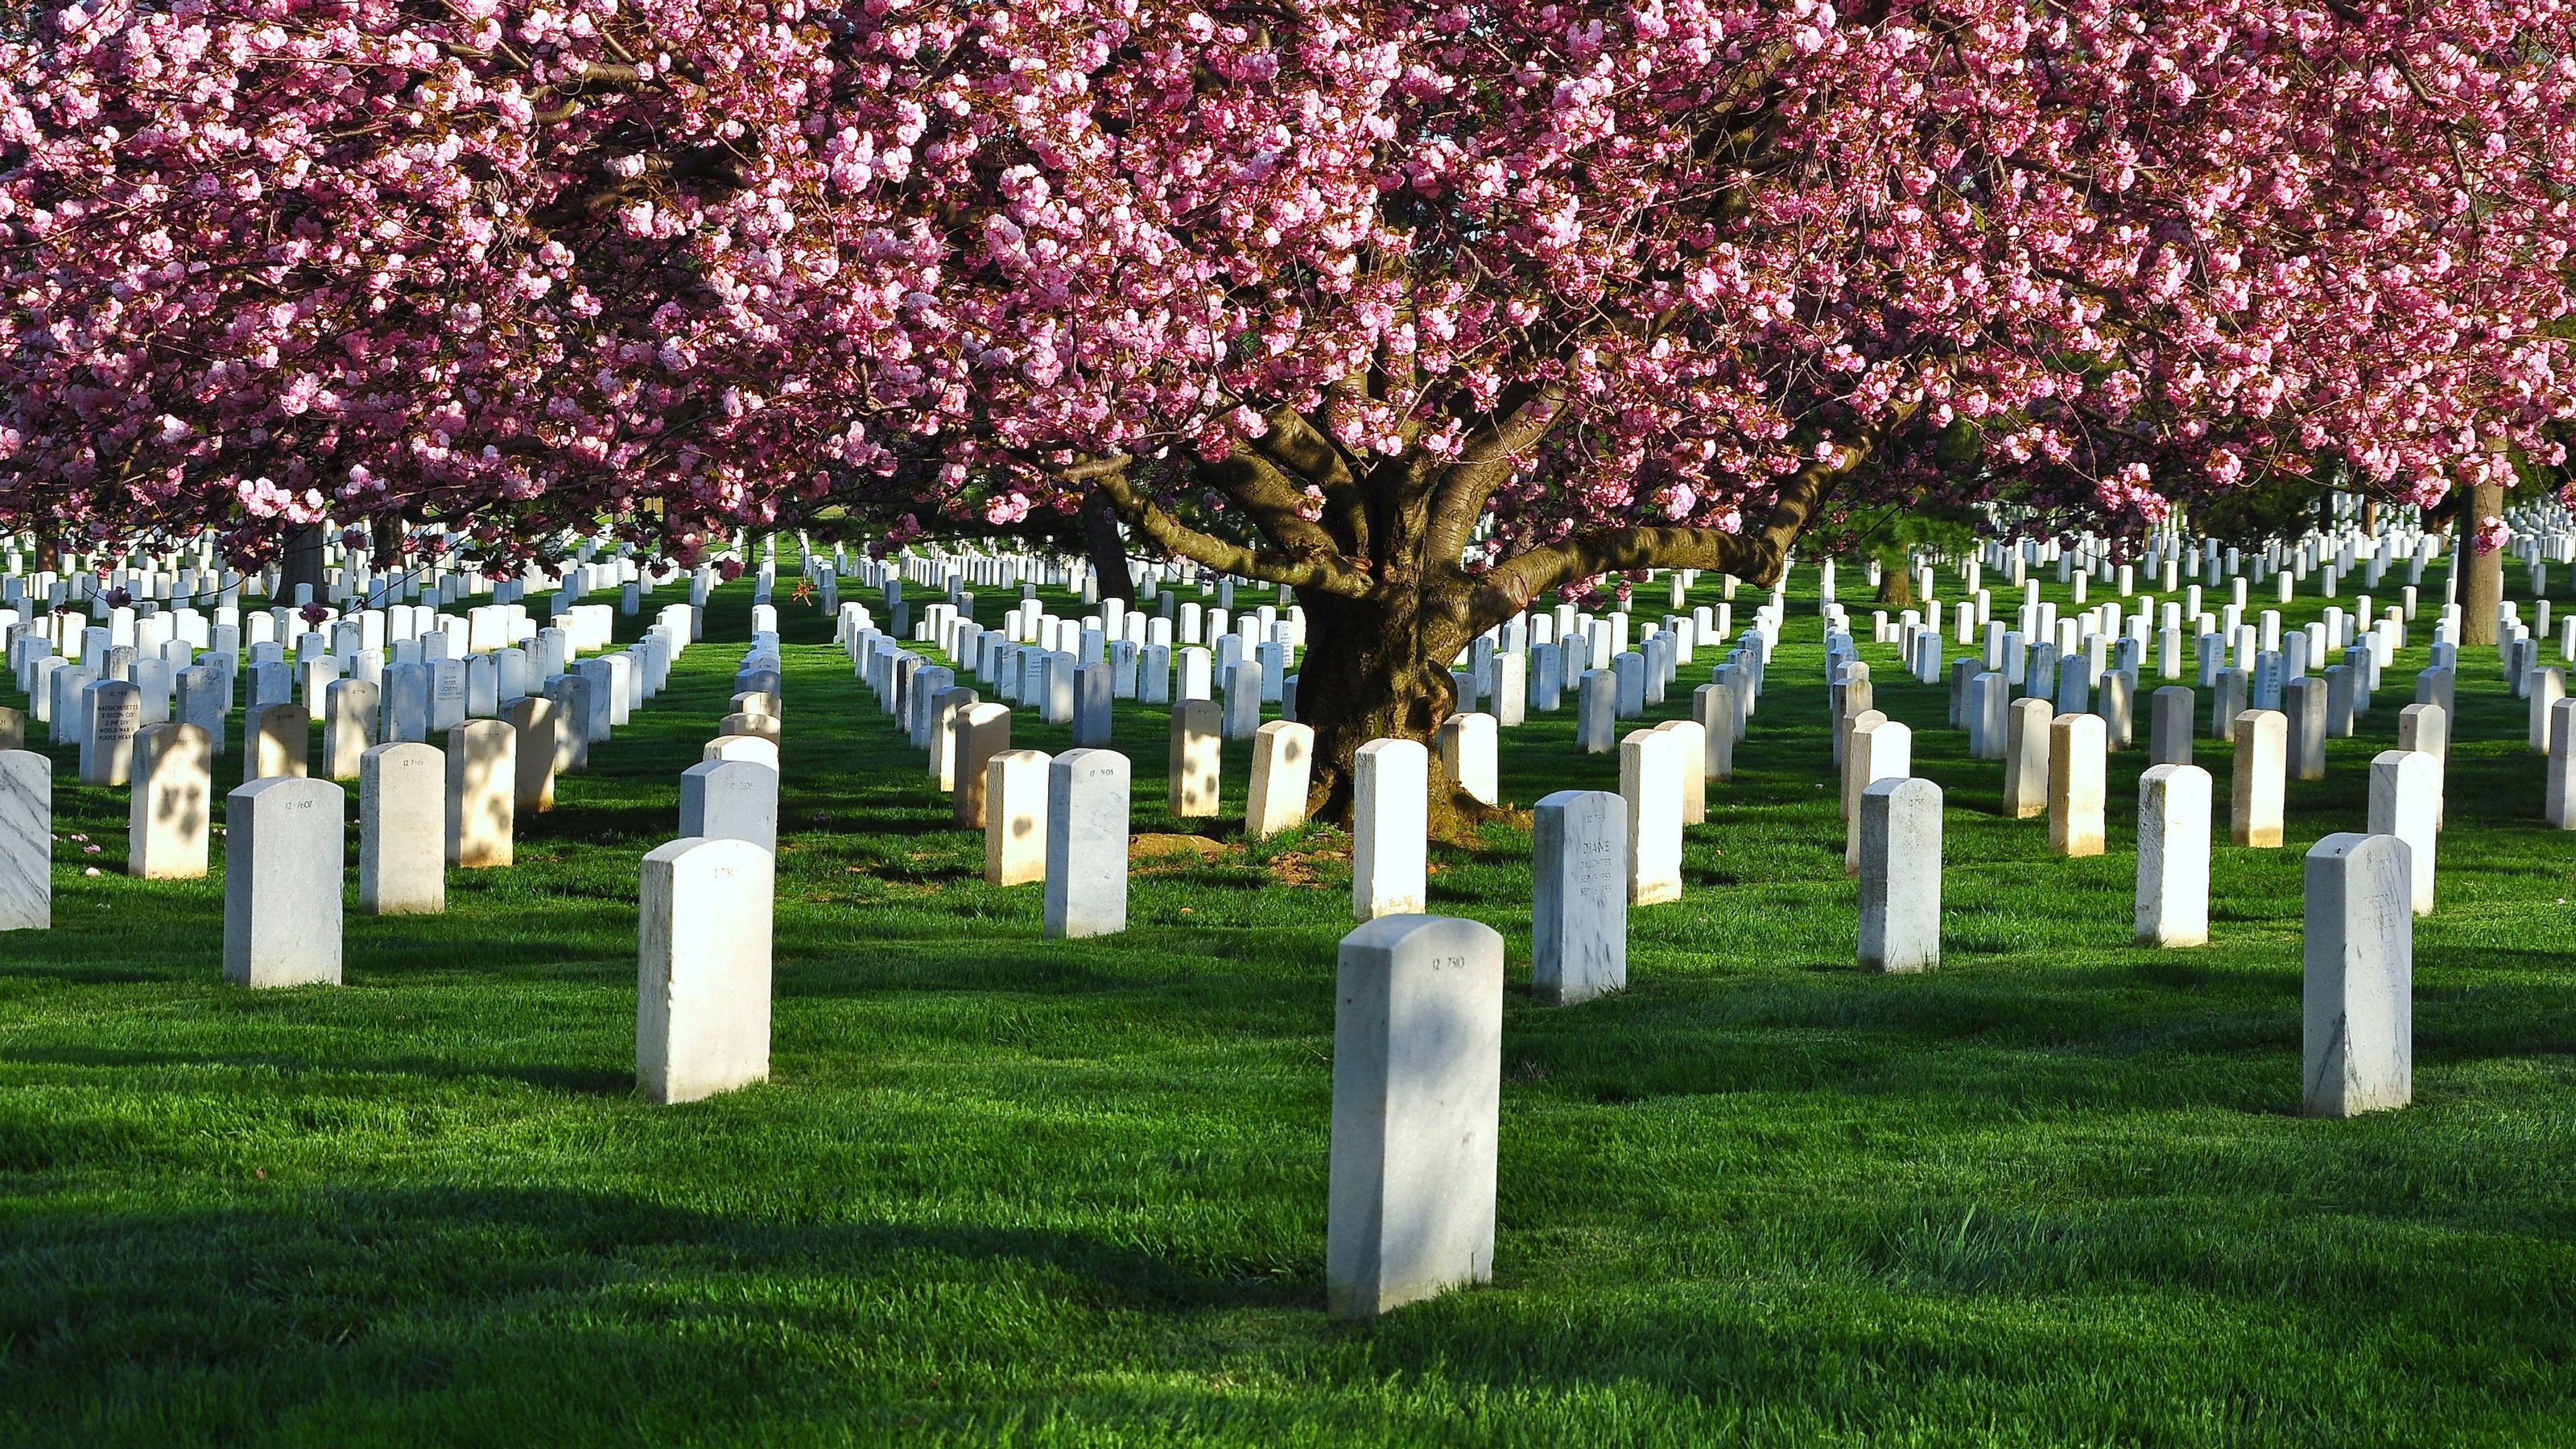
x=1489, y=458
x=1756, y=557
x=1327, y=574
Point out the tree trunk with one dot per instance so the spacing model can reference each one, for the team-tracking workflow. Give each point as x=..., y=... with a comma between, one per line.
x=1106, y=550
x=1376, y=669
x=1896, y=586
x=2482, y=589
x=49, y=553
x=385, y=539
x=300, y=562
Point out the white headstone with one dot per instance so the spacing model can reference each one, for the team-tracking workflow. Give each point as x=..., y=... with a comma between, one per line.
x=2257, y=788
x=115, y=710
x=535, y=719
x=284, y=844
x=1283, y=757
x=1015, y=817
x=172, y=806
x=1900, y=875
x=1469, y=755
x=980, y=733
x=2173, y=856
x=1195, y=759
x=1390, y=815
x=402, y=829
x=2026, y=758
x=2402, y=791
x=1650, y=779
x=349, y=711
x=1417, y=1093
x=1086, y=844
x=2358, y=993
x=482, y=790
x=2076, y=766
x=703, y=969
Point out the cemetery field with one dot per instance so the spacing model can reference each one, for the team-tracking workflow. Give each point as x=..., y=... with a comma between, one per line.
x=1003, y=1189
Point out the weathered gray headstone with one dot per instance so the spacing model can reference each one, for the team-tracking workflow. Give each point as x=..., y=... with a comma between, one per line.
x=1900, y=875
x=2303, y=704
x=201, y=703
x=26, y=841
x=575, y=702
x=1989, y=716
x=1093, y=720
x=405, y=704
x=1579, y=908
x=115, y=711
x=730, y=800
x=1596, y=720
x=446, y=695
x=2170, y=730
x=2358, y=992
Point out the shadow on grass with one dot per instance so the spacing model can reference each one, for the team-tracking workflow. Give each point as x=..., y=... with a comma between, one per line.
x=577, y=1080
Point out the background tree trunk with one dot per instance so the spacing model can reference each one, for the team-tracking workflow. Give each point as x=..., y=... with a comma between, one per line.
x=1106, y=550
x=2482, y=588
x=1896, y=586
x=301, y=563
x=385, y=535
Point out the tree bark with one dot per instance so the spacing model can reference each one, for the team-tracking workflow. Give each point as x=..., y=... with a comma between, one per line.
x=1389, y=604
x=1106, y=550
x=2482, y=589
x=1896, y=586
x=1378, y=669
x=300, y=562
x=385, y=537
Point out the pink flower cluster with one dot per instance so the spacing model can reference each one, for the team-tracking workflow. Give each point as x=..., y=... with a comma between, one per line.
x=690, y=265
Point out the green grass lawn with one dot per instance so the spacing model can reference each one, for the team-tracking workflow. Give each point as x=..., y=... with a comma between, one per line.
x=1002, y=1190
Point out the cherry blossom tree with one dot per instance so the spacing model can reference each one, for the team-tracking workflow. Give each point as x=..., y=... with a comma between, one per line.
x=1429, y=312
